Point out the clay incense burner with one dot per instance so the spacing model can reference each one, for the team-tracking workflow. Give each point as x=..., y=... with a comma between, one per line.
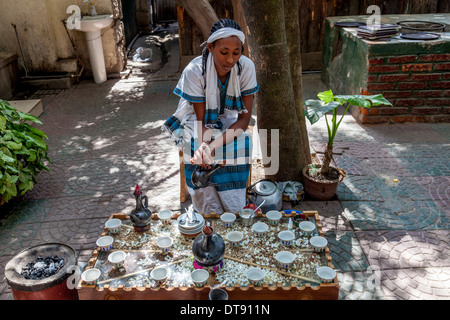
x=201, y=177
x=141, y=216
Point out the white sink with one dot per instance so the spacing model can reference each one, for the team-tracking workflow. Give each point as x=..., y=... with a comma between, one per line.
x=95, y=23
x=91, y=26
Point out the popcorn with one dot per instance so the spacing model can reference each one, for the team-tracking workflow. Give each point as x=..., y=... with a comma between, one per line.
x=259, y=250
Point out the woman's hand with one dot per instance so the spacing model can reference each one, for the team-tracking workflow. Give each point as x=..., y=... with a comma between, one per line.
x=202, y=156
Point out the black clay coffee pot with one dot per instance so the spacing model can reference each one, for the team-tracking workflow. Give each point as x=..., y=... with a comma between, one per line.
x=208, y=248
x=201, y=177
x=141, y=216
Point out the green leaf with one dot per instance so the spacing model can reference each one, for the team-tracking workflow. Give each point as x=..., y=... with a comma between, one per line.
x=315, y=109
x=6, y=196
x=23, y=177
x=326, y=96
x=7, y=136
x=32, y=156
x=11, y=189
x=11, y=169
x=29, y=117
x=6, y=158
x=364, y=101
x=2, y=123
x=32, y=139
x=38, y=132
x=25, y=186
x=14, y=179
x=13, y=145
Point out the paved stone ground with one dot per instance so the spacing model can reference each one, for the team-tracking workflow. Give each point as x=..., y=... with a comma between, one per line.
x=389, y=240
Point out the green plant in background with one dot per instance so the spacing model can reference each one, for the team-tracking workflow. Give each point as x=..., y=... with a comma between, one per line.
x=22, y=152
x=315, y=109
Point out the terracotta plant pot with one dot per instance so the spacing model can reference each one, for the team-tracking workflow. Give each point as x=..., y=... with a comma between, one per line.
x=319, y=189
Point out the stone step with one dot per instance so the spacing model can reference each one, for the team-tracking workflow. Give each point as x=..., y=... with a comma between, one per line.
x=31, y=106
x=45, y=83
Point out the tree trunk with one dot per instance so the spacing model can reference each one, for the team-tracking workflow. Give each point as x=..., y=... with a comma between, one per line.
x=275, y=100
x=291, y=16
x=238, y=16
x=201, y=12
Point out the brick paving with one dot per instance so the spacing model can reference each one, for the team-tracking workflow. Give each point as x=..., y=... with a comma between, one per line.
x=389, y=239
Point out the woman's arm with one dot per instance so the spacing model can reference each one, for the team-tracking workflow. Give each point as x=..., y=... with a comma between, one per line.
x=202, y=155
x=205, y=153
x=237, y=128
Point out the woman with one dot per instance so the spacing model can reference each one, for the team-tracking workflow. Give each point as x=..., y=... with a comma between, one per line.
x=216, y=96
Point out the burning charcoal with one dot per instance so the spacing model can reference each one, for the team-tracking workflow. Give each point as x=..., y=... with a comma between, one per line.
x=51, y=268
x=42, y=267
x=39, y=265
x=36, y=274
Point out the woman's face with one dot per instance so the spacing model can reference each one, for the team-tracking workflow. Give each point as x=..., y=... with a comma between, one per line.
x=226, y=53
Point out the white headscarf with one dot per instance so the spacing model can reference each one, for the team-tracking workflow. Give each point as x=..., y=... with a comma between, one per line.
x=225, y=33
x=233, y=100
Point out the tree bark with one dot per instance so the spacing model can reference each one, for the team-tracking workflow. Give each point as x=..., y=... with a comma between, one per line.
x=238, y=16
x=201, y=12
x=275, y=100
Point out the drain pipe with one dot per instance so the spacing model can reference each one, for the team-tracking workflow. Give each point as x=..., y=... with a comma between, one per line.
x=21, y=51
x=132, y=42
x=311, y=71
x=76, y=53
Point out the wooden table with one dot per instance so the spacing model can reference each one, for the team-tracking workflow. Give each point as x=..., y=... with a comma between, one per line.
x=307, y=291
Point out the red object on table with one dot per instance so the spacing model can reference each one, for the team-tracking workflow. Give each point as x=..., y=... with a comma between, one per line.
x=253, y=207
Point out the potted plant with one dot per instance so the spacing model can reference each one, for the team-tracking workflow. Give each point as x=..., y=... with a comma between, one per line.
x=22, y=152
x=321, y=180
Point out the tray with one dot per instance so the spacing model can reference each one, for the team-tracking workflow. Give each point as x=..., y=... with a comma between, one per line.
x=349, y=24
x=110, y=286
x=419, y=36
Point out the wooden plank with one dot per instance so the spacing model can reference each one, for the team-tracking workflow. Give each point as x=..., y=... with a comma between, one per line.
x=312, y=61
x=184, y=194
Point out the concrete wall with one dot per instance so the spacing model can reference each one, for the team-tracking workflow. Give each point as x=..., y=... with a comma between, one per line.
x=8, y=75
x=45, y=42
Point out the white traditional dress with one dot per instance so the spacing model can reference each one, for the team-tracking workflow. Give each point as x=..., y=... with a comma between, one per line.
x=223, y=104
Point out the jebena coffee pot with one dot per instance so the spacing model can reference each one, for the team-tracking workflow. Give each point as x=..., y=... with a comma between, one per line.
x=208, y=249
x=201, y=177
x=141, y=216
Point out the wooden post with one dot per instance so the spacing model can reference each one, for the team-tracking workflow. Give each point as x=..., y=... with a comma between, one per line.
x=183, y=188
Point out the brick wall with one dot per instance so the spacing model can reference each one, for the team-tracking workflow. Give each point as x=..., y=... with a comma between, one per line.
x=418, y=86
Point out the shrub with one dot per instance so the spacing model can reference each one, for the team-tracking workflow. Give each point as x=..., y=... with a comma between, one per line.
x=22, y=152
